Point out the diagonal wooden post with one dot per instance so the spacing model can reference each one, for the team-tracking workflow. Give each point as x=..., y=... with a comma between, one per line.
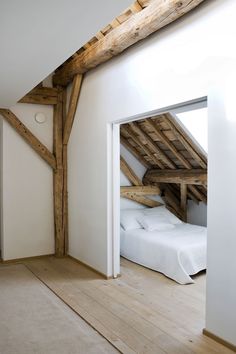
x=29, y=137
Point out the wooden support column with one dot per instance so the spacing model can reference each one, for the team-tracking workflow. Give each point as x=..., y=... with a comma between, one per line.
x=58, y=176
x=183, y=200
x=65, y=179
x=67, y=123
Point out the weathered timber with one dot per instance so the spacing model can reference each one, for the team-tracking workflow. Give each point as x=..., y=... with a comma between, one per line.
x=142, y=200
x=58, y=177
x=76, y=86
x=139, y=26
x=41, y=95
x=129, y=173
x=140, y=190
x=29, y=137
x=194, y=176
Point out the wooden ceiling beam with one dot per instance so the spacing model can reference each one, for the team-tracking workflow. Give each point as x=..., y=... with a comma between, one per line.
x=199, y=195
x=140, y=190
x=134, y=152
x=186, y=141
x=168, y=143
x=194, y=176
x=29, y=137
x=142, y=200
x=145, y=148
x=41, y=95
x=139, y=26
x=159, y=154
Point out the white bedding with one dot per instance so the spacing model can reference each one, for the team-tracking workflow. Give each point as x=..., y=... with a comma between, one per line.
x=177, y=253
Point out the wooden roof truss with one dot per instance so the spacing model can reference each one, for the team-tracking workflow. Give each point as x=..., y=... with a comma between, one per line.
x=175, y=163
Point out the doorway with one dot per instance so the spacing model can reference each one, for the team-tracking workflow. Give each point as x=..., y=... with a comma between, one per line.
x=186, y=117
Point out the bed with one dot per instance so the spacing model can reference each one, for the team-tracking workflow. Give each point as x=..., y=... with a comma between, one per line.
x=177, y=252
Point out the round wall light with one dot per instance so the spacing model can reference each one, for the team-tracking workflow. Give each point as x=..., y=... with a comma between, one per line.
x=40, y=117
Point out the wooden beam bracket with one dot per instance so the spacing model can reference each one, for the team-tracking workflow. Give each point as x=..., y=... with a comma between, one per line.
x=29, y=137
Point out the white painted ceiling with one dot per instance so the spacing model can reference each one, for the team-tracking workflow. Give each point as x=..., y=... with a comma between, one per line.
x=38, y=36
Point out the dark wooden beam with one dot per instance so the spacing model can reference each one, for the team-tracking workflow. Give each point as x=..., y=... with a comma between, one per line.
x=29, y=137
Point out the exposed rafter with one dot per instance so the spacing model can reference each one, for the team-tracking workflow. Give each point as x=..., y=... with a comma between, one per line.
x=129, y=173
x=185, y=140
x=158, y=153
x=143, y=200
x=134, y=152
x=139, y=26
x=168, y=143
x=164, y=133
x=145, y=148
x=137, y=192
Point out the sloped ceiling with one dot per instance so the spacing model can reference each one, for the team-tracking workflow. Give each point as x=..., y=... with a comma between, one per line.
x=161, y=144
x=38, y=36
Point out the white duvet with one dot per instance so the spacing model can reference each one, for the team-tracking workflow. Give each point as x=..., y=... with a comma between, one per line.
x=177, y=253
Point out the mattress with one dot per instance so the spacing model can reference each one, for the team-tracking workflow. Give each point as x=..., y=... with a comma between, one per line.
x=178, y=253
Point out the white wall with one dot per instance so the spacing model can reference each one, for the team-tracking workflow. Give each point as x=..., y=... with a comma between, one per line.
x=178, y=64
x=197, y=213
x=27, y=225
x=221, y=285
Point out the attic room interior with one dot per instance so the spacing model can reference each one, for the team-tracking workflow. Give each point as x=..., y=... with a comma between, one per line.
x=117, y=142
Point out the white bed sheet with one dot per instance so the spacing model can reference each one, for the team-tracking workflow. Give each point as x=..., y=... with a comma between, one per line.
x=177, y=253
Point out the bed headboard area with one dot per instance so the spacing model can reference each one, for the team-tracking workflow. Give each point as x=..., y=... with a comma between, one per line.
x=176, y=165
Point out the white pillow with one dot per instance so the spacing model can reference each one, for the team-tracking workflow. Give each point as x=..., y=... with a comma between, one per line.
x=162, y=211
x=129, y=219
x=154, y=222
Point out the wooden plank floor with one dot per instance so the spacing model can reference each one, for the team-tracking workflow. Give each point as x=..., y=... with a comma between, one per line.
x=141, y=312
x=34, y=320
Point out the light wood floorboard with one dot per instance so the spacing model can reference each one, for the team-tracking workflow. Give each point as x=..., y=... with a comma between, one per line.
x=140, y=312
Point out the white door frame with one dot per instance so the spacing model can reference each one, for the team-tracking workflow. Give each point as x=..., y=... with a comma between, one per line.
x=114, y=165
